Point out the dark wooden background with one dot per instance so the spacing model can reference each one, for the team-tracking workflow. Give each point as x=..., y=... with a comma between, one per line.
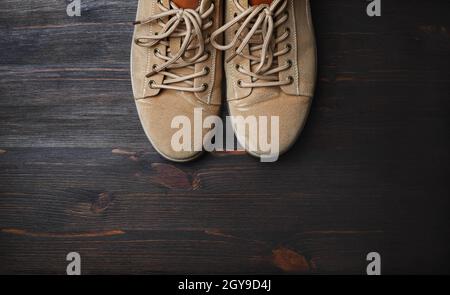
x=370, y=173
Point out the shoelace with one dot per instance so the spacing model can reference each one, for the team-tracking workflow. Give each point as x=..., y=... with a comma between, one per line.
x=189, y=25
x=261, y=20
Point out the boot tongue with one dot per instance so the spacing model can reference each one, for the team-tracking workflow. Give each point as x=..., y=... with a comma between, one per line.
x=175, y=43
x=259, y=2
x=187, y=4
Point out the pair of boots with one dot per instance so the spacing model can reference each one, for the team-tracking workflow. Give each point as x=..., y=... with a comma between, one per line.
x=176, y=66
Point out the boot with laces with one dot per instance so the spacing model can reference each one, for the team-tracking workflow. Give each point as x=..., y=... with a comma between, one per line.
x=174, y=69
x=270, y=65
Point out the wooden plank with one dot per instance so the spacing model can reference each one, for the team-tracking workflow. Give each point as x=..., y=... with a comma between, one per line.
x=370, y=172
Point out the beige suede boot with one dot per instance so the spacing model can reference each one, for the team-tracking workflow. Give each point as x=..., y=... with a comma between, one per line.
x=175, y=69
x=270, y=65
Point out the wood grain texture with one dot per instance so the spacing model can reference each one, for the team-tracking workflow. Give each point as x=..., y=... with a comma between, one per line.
x=370, y=172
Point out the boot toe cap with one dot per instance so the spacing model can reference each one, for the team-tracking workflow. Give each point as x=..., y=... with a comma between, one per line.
x=292, y=112
x=158, y=116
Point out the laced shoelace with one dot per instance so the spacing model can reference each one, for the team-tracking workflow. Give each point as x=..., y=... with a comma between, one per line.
x=258, y=21
x=189, y=25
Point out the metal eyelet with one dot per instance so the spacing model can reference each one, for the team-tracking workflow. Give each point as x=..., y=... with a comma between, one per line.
x=289, y=47
x=150, y=84
x=205, y=86
x=156, y=51
x=290, y=63
x=239, y=83
x=238, y=67
x=291, y=79
x=206, y=70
